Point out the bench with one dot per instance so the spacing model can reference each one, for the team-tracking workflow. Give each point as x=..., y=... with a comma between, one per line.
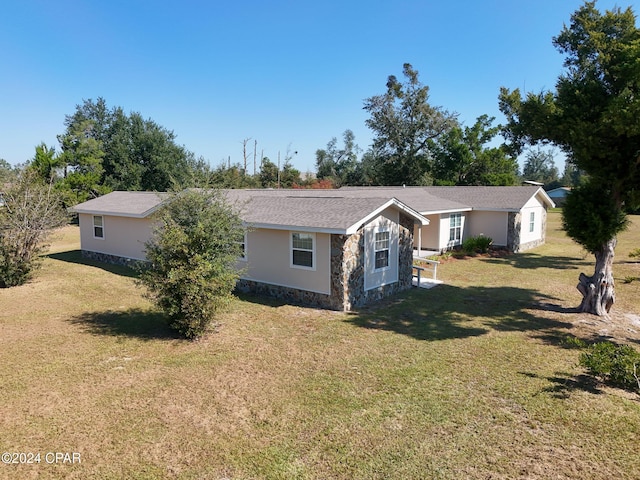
x=432, y=267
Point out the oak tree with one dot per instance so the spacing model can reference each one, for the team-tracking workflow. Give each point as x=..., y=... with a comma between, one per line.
x=404, y=124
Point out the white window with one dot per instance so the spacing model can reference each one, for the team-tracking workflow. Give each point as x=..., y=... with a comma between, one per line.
x=243, y=246
x=98, y=227
x=455, y=227
x=532, y=221
x=302, y=250
x=381, y=248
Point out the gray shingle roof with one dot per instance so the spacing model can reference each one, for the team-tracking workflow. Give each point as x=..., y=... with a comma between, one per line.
x=324, y=213
x=488, y=198
x=125, y=204
x=419, y=198
x=330, y=210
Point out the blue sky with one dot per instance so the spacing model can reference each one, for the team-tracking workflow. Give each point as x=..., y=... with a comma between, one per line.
x=289, y=74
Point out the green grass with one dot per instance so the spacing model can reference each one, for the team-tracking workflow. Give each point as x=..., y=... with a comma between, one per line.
x=476, y=378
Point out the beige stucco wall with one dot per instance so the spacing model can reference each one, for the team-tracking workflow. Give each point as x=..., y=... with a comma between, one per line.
x=123, y=236
x=428, y=235
x=489, y=224
x=435, y=236
x=268, y=260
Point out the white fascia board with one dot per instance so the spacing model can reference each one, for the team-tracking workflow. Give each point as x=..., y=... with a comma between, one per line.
x=545, y=197
x=144, y=214
x=295, y=228
x=115, y=214
x=451, y=210
x=506, y=210
x=394, y=201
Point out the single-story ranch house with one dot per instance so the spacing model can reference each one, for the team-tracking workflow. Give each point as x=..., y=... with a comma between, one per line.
x=336, y=249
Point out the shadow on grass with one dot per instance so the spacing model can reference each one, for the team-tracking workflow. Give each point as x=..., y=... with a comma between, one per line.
x=447, y=312
x=563, y=384
x=531, y=261
x=261, y=299
x=135, y=323
x=75, y=256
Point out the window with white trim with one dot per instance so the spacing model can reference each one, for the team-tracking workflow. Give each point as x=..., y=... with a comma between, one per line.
x=381, y=249
x=455, y=227
x=302, y=250
x=98, y=226
x=242, y=241
x=532, y=221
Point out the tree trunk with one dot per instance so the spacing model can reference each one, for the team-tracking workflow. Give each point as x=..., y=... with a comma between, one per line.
x=598, y=290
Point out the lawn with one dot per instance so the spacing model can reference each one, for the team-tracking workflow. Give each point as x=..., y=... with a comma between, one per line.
x=472, y=379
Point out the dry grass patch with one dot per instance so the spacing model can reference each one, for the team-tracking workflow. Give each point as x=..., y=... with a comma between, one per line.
x=472, y=379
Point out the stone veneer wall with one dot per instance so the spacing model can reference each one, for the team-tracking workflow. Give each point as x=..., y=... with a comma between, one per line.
x=347, y=268
x=112, y=259
x=513, y=235
x=287, y=294
x=513, y=231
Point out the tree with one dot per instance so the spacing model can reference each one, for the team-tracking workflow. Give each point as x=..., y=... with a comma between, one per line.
x=571, y=176
x=137, y=153
x=461, y=157
x=192, y=259
x=7, y=173
x=289, y=175
x=45, y=162
x=31, y=210
x=338, y=164
x=593, y=116
x=232, y=176
x=539, y=166
x=404, y=124
x=81, y=159
x=268, y=174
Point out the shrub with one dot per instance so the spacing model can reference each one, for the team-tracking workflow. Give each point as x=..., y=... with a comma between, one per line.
x=615, y=364
x=31, y=210
x=192, y=259
x=635, y=253
x=479, y=244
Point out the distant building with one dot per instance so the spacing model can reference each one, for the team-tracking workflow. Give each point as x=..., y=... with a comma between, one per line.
x=558, y=195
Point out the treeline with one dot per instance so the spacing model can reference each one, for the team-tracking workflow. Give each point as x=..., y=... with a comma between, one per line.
x=104, y=149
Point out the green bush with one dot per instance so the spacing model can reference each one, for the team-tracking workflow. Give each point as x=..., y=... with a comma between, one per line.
x=635, y=253
x=618, y=365
x=479, y=244
x=192, y=259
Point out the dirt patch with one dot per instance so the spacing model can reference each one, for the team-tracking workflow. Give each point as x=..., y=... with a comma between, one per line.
x=620, y=327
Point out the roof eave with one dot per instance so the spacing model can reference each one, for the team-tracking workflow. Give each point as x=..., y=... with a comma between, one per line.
x=144, y=214
x=297, y=228
x=449, y=210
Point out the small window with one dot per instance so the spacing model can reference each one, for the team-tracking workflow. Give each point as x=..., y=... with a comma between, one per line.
x=532, y=221
x=381, y=249
x=455, y=227
x=302, y=250
x=242, y=241
x=98, y=228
